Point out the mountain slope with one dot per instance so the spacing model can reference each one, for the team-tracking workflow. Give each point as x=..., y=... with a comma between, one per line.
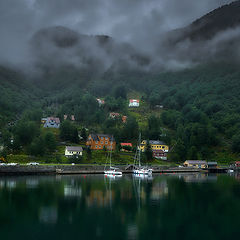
x=16, y=95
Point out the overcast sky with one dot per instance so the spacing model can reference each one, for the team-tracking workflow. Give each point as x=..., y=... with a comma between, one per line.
x=126, y=20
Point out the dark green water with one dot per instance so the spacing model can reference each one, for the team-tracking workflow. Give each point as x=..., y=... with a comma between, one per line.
x=94, y=207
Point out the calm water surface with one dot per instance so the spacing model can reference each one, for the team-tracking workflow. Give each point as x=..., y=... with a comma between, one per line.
x=95, y=207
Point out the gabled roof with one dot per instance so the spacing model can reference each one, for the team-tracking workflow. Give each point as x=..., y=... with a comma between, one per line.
x=196, y=162
x=74, y=148
x=134, y=100
x=156, y=142
x=126, y=144
x=96, y=137
x=56, y=120
x=212, y=163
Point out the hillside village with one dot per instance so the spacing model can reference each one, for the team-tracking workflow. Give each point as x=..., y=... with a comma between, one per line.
x=75, y=144
x=107, y=142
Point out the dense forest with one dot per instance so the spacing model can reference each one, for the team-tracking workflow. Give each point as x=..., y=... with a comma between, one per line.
x=194, y=109
x=199, y=119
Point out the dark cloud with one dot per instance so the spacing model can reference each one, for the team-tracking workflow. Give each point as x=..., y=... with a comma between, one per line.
x=139, y=22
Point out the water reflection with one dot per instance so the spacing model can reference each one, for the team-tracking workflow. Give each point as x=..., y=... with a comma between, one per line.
x=48, y=215
x=130, y=207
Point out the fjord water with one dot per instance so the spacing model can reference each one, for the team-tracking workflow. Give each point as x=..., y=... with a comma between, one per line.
x=95, y=207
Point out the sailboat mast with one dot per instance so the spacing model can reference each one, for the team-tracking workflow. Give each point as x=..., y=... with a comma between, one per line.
x=111, y=153
x=139, y=151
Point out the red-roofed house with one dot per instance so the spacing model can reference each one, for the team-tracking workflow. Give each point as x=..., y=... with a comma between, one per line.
x=126, y=147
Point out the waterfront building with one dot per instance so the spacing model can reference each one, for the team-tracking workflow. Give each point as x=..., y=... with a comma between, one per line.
x=73, y=151
x=155, y=145
x=212, y=164
x=159, y=154
x=195, y=164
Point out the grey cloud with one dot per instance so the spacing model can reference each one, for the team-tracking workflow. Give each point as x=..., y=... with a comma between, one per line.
x=142, y=23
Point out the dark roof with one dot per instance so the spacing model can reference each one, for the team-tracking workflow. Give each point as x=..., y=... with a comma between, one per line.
x=212, y=163
x=74, y=148
x=96, y=137
x=196, y=162
x=156, y=142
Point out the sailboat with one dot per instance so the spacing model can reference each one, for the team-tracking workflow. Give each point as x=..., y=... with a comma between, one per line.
x=112, y=171
x=140, y=171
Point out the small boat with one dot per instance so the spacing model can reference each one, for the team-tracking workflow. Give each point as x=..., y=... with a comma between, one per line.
x=139, y=169
x=143, y=171
x=112, y=171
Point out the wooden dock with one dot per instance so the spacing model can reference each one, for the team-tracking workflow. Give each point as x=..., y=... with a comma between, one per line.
x=163, y=171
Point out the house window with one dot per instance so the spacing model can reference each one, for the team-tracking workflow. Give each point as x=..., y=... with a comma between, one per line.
x=96, y=142
x=101, y=142
x=163, y=146
x=106, y=142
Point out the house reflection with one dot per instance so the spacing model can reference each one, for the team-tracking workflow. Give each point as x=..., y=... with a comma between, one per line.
x=71, y=191
x=99, y=198
x=48, y=215
x=32, y=183
x=201, y=177
x=159, y=190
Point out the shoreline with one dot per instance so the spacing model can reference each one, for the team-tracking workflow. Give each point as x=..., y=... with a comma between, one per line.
x=76, y=169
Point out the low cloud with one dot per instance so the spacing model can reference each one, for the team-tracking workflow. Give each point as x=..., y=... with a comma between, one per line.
x=138, y=29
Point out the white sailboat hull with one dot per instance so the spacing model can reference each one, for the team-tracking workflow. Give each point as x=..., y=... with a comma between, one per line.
x=112, y=173
x=142, y=172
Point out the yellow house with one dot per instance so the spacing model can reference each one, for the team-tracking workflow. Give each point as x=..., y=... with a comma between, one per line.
x=155, y=145
x=195, y=164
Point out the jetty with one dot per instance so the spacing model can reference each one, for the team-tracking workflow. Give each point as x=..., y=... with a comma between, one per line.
x=93, y=169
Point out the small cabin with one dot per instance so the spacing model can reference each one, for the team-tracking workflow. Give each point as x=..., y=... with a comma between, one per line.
x=73, y=151
x=212, y=164
x=195, y=164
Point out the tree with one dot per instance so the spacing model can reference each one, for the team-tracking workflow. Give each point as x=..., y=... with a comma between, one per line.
x=192, y=153
x=180, y=150
x=236, y=143
x=26, y=131
x=50, y=141
x=89, y=153
x=120, y=92
x=75, y=138
x=84, y=134
x=69, y=132
x=131, y=129
x=37, y=147
x=148, y=152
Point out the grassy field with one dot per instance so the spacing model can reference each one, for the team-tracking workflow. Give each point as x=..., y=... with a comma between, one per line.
x=97, y=157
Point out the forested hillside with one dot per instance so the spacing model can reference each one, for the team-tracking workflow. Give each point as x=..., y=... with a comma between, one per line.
x=201, y=104
x=16, y=95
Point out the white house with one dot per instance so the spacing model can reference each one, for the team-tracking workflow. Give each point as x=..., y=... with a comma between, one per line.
x=73, y=151
x=51, y=122
x=133, y=103
x=100, y=102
